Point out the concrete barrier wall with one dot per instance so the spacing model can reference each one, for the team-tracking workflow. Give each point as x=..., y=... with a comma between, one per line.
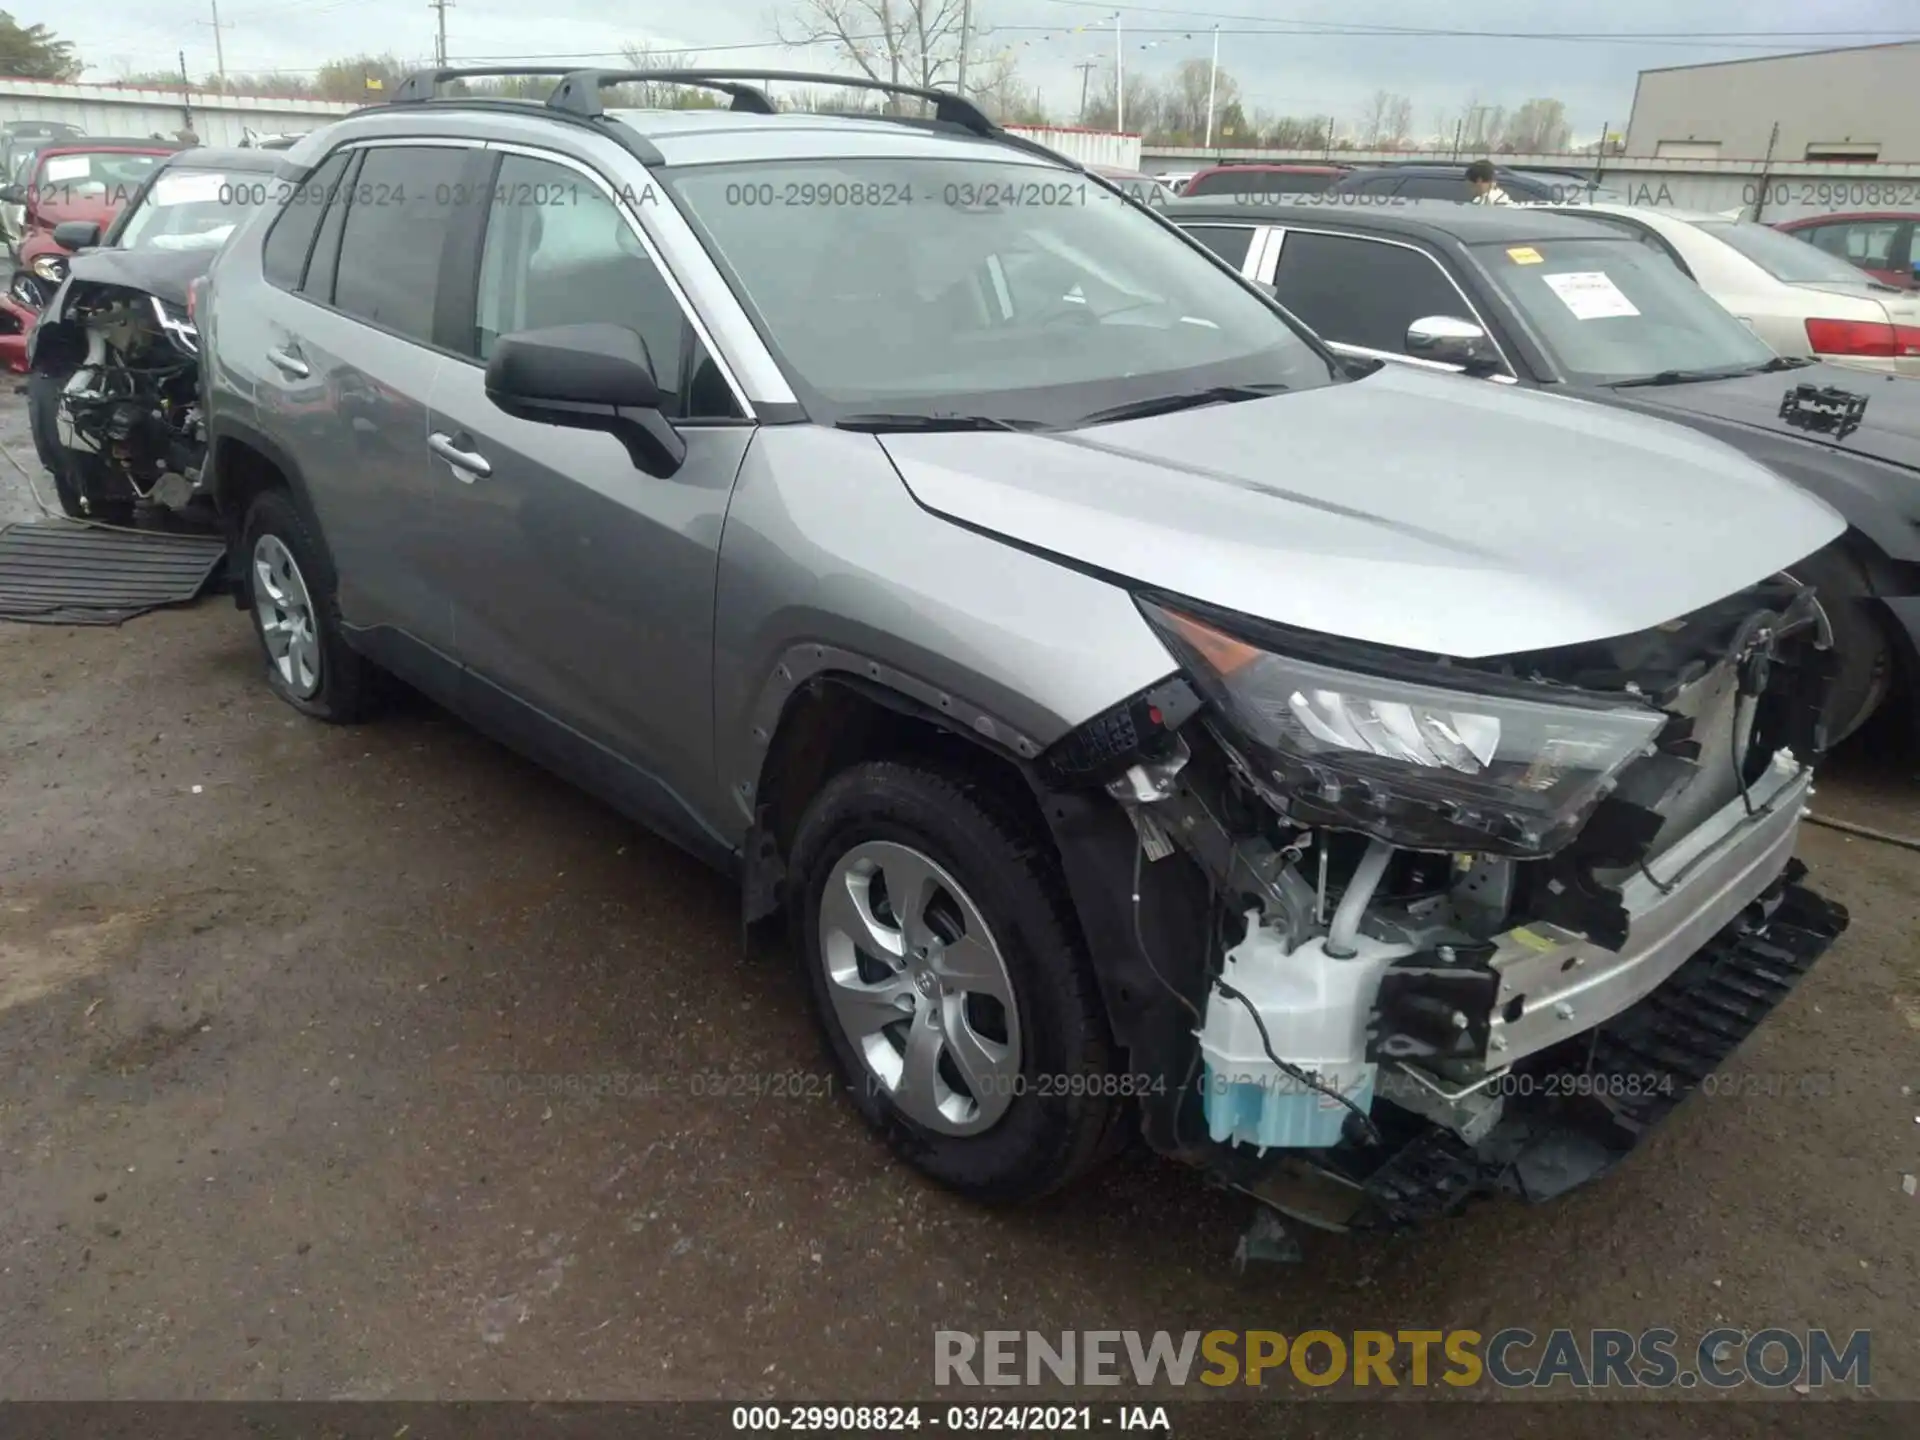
x=113, y=110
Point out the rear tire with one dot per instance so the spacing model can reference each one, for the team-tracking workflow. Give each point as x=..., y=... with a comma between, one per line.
x=1034, y=1105
x=287, y=585
x=1863, y=660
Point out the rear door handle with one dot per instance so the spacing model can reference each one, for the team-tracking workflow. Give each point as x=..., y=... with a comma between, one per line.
x=468, y=465
x=288, y=363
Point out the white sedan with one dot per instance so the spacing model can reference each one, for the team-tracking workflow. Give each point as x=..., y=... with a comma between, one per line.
x=1800, y=300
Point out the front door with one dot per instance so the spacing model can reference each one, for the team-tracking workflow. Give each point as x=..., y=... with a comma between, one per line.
x=583, y=587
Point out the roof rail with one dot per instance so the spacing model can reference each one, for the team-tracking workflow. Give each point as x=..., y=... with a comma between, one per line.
x=579, y=93
x=423, y=85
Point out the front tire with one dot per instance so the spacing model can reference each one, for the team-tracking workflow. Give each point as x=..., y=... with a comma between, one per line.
x=288, y=586
x=947, y=976
x=1863, y=660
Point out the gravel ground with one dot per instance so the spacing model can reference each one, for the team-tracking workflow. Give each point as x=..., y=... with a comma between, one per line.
x=270, y=993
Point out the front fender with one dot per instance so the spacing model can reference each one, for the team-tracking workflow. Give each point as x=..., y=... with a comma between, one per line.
x=828, y=564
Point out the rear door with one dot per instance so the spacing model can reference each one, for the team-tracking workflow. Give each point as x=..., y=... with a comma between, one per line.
x=582, y=586
x=350, y=362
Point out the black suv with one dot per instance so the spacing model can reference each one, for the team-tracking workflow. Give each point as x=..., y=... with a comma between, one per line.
x=1449, y=182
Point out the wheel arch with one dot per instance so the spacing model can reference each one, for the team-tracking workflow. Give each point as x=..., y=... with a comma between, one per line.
x=242, y=462
x=846, y=711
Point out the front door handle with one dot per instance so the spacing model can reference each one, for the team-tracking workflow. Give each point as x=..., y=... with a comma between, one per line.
x=468, y=465
x=288, y=363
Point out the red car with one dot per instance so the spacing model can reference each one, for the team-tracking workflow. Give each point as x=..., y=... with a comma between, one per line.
x=85, y=180
x=1883, y=245
x=1261, y=180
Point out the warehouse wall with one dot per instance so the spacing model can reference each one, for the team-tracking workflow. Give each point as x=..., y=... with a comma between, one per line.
x=1866, y=95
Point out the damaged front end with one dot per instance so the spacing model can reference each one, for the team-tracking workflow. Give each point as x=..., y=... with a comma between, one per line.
x=128, y=419
x=1404, y=930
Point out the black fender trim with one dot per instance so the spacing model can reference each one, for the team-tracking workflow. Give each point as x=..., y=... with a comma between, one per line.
x=220, y=432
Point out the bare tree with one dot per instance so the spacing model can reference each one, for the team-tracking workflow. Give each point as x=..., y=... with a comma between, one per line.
x=1293, y=132
x=1398, y=131
x=1373, y=118
x=1538, y=127
x=1183, y=110
x=1146, y=103
x=995, y=86
x=901, y=42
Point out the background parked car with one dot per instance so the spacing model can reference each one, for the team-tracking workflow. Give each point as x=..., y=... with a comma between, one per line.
x=20, y=141
x=1563, y=301
x=89, y=180
x=1449, y=182
x=1881, y=245
x=1263, y=180
x=1799, y=299
x=132, y=283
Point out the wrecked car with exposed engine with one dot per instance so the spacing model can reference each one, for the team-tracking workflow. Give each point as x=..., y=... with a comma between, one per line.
x=1373, y=786
x=113, y=362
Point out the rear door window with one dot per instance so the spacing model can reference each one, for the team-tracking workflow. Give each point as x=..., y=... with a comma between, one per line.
x=1230, y=242
x=283, y=258
x=1363, y=292
x=400, y=211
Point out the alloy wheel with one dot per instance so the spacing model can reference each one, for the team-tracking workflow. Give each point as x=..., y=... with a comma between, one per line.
x=919, y=988
x=285, y=611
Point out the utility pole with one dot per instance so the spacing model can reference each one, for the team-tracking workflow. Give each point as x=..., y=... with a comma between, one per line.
x=1213, y=84
x=966, y=41
x=1086, y=69
x=219, y=49
x=440, y=39
x=186, y=94
x=1119, y=78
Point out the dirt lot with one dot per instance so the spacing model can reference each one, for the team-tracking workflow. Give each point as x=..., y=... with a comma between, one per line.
x=272, y=995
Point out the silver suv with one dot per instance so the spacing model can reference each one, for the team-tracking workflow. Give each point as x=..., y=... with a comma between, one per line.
x=1374, y=787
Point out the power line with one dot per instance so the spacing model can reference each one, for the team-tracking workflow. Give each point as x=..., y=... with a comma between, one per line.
x=1335, y=27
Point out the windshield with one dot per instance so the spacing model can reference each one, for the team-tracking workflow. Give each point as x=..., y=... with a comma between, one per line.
x=104, y=177
x=946, y=287
x=1782, y=256
x=1608, y=310
x=190, y=210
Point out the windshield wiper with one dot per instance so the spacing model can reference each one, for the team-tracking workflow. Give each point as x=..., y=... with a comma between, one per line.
x=881, y=422
x=1191, y=400
x=1687, y=377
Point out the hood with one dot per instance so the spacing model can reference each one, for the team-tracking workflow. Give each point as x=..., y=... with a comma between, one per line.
x=165, y=273
x=1410, y=508
x=1889, y=431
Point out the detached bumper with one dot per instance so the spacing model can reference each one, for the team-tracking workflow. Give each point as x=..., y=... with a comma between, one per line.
x=1626, y=1076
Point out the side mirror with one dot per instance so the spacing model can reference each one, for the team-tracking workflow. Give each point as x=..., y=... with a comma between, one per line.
x=1452, y=341
x=76, y=234
x=13, y=194
x=587, y=377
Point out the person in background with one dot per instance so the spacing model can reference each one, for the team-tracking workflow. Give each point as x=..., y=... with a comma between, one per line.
x=1486, y=189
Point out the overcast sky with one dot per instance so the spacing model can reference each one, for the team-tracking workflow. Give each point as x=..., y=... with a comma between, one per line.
x=1298, y=73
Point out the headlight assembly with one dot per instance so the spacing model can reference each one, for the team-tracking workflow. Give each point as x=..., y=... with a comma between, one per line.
x=1423, y=765
x=50, y=267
